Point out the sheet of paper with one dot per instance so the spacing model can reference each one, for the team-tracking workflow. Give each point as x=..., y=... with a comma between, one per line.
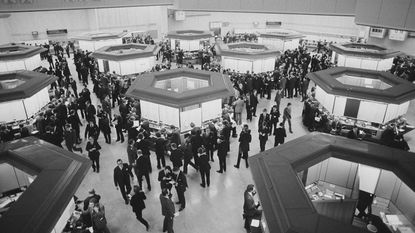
x=255, y=223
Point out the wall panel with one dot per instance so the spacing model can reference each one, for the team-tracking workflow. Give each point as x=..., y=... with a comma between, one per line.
x=322, y=6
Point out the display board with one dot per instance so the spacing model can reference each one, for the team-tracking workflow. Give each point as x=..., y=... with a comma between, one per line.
x=244, y=66
x=394, y=111
x=352, y=108
x=368, y=178
x=114, y=66
x=211, y=109
x=353, y=62
x=385, y=64
x=169, y=115
x=339, y=105
x=371, y=111
x=369, y=64
x=149, y=110
x=325, y=99
x=14, y=109
x=36, y=102
x=187, y=117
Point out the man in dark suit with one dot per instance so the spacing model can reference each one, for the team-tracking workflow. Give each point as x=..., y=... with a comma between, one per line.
x=142, y=169
x=204, y=167
x=244, y=140
x=280, y=135
x=122, y=174
x=160, y=149
x=222, y=152
x=250, y=207
x=176, y=156
x=253, y=103
x=264, y=117
x=92, y=194
x=180, y=183
x=167, y=210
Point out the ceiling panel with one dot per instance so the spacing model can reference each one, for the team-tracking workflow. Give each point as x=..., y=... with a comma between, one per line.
x=393, y=13
x=208, y=5
x=300, y=6
x=322, y=6
x=367, y=12
x=346, y=7
x=188, y=4
x=275, y=5
x=410, y=19
x=233, y=5
x=252, y=5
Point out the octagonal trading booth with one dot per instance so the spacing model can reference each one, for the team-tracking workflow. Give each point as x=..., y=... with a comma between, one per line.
x=368, y=99
x=243, y=57
x=94, y=40
x=365, y=56
x=181, y=96
x=281, y=39
x=189, y=40
x=126, y=59
x=38, y=181
x=23, y=94
x=19, y=57
x=321, y=183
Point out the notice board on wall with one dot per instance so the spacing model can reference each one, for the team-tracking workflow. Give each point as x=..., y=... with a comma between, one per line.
x=352, y=108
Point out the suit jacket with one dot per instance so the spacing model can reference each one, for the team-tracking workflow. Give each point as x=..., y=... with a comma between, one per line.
x=176, y=158
x=244, y=140
x=280, y=135
x=167, y=207
x=121, y=177
x=160, y=146
x=222, y=149
x=181, y=181
x=204, y=162
x=165, y=183
x=261, y=120
x=142, y=164
x=144, y=146
x=137, y=201
x=249, y=204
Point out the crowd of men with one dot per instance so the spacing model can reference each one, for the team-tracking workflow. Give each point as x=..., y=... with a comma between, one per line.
x=61, y=122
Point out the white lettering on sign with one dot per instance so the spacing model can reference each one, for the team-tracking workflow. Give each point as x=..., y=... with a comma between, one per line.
x=18, y=1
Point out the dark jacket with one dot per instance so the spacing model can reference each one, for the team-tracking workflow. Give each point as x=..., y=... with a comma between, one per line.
x=167, y=207
x=261, y=120
x=91, y=131
x=244, y=140
x=137, y=201
x=121, y=176
x=222, y=149
x=142, y=164
x=181, y=181
x=176, y=158
x=280, y=135
x=93, y=154
x=204, y=162
x=160, y=146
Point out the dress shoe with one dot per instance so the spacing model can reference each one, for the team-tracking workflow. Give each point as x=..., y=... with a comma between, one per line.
x=203, y=185
x=291, y=131
x=236, y=166
x=219, y=171
x=126, y=202
x=149, y=188
x=177, y=202
x=181, y=208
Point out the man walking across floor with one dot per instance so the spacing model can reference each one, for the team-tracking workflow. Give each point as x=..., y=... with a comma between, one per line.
x=122, y=174
x=180, y=183
x=244, y=140
x=287, y=116
x=280, y=135
x=167, y=210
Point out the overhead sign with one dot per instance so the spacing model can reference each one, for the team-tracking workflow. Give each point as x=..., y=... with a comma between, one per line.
x=7, y=6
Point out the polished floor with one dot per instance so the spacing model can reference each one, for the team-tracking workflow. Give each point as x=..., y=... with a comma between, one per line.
x=217, y=208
